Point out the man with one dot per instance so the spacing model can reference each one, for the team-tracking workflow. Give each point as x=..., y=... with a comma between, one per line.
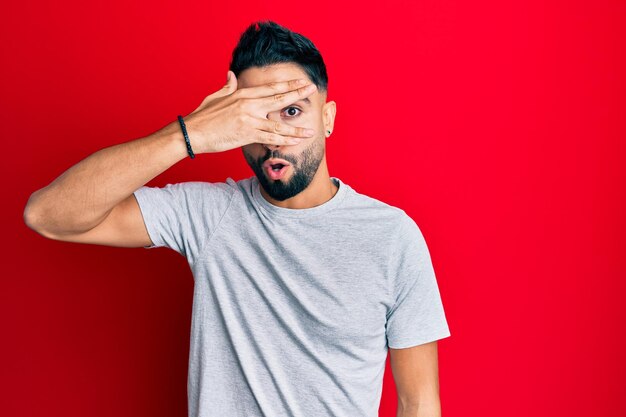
x=302, y=285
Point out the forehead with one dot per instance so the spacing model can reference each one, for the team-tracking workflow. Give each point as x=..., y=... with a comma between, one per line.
x=255, y=76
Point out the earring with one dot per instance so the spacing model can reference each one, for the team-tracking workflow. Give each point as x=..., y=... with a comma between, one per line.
x=328, y=131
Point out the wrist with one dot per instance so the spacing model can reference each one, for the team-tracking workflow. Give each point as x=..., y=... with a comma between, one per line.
x=171, y=138
x=183, y=128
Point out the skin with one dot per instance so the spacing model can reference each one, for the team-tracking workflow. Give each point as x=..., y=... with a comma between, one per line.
x=307, y=182
x=86, y=204
x=416, y=376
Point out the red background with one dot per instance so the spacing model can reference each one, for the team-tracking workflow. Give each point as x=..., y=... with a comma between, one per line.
x=502, y=127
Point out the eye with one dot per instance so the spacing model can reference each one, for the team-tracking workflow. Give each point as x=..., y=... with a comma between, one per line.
x=292, y=111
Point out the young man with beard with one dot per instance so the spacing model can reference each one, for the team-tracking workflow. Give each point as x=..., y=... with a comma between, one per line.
x=302, y=285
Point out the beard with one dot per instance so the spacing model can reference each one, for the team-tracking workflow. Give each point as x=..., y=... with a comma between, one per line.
x=303, y=169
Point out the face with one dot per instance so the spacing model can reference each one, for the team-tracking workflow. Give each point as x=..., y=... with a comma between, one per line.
x=306, y=156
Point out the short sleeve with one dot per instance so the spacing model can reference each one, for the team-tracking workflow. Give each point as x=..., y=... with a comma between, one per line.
x=417, y=315
x=184, y=215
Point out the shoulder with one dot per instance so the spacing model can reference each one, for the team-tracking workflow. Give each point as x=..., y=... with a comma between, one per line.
x=227, y=187
x=396, y=222
x=188, y=193
x=396, y=231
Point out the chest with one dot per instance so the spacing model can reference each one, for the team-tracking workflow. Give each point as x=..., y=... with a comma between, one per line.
x=332, y=289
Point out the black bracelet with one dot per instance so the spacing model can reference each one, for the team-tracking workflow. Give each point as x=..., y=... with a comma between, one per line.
x=182, y=126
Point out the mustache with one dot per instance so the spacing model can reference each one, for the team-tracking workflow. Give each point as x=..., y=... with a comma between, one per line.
x=276, y=154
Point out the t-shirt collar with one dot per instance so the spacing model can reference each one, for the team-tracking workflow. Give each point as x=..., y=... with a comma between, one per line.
x=334, y=202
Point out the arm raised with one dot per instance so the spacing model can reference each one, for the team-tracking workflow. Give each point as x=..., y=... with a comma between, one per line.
x=92, y=201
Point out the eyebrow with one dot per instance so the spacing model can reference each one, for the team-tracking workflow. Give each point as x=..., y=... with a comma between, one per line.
x=306, y=100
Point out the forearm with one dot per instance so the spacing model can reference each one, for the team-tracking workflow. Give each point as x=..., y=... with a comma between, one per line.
x=427, y=409
x=81, y=197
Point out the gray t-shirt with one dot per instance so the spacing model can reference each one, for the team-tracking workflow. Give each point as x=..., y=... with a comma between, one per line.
x=294, y=309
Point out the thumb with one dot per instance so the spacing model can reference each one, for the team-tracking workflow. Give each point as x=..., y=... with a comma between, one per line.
x=229, y=88
x=231, y=82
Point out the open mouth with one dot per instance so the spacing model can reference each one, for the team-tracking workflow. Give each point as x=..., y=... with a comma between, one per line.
x=275, y=164
x=276, y=168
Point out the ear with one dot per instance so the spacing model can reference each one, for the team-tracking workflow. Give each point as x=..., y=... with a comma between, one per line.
x=329, y=110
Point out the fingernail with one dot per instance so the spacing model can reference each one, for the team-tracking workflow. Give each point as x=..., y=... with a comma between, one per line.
x=309, y=132
x=301, y=81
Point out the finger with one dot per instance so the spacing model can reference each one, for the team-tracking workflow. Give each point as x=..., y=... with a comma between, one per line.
x=283, y=129
x=270, y=89
x=282, y=100
x=274, y=139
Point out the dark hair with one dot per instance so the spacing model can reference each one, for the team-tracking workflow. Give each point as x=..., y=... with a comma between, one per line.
x=265, y=43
